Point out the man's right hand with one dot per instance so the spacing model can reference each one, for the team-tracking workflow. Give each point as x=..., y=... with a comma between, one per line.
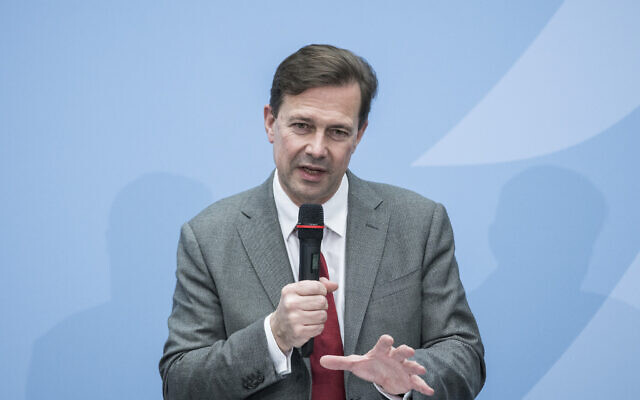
x=301, y=312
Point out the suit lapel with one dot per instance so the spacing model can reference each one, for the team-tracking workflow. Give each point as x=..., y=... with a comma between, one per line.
x=367, y=225
x=261, y=236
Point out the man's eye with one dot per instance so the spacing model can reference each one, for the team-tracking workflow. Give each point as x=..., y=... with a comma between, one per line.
x=339, y=134
x=301, y=125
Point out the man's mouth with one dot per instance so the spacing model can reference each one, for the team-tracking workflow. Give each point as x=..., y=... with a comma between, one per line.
x=312, y=170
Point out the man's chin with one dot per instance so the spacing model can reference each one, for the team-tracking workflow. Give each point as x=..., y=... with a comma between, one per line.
x=311, y=194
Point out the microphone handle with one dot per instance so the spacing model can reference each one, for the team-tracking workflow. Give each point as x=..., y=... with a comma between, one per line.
x=307, y=348
x=309, y=270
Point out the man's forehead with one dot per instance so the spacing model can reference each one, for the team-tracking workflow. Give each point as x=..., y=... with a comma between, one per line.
x=329, y=89
x=341, y=102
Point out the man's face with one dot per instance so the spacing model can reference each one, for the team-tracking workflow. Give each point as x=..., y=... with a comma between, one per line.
x=313, y=138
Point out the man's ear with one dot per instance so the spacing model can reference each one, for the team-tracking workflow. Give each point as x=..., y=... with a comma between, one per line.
x=269, y=120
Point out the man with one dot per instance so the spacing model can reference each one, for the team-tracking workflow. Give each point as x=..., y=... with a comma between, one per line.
x=389, y=271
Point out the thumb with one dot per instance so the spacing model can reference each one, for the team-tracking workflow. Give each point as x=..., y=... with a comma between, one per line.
x=336, y=362
x=329, y=285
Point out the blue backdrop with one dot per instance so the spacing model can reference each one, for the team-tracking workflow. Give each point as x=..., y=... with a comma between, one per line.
x=121, y=120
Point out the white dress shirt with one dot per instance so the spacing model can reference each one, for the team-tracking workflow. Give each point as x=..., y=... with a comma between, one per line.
x=333, y=249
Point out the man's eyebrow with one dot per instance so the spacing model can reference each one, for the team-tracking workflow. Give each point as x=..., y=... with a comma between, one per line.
x=341, y=126
x=310, y=121
x=299, y=118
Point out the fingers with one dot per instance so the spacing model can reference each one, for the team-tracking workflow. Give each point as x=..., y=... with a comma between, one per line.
x=300, y=307
x=306, y=332
x=313, y=303
x=306, y=288
x=339, y=362
x=418, y=384
x=413, y=368
x=384, y=345
x=401, y=355
x=329, y=285
x=385, y=365
x=402, y=352
x=301, y=313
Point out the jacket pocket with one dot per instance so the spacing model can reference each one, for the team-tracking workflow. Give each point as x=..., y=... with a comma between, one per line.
x=397, y=285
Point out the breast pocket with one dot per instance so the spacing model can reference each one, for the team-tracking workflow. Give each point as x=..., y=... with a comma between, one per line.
x=386, y=288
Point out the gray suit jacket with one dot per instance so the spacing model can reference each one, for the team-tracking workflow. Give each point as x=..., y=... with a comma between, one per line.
x=401, y=279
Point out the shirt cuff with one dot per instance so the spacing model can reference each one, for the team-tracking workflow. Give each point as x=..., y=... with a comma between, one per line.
x=281, y=361
x=391, y=396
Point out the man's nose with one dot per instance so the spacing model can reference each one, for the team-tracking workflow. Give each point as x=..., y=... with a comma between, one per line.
x=316, y=147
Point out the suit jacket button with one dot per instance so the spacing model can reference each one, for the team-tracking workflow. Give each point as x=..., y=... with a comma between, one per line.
x=247, y=382
x=252, y=380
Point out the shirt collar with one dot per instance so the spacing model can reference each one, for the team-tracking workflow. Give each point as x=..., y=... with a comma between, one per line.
x=335, y=209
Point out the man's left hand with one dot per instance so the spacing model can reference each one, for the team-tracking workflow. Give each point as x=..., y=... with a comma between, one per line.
x=384, y=365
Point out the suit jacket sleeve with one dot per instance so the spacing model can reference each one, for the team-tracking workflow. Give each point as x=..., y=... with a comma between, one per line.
x=452, y=351
x=200, y=361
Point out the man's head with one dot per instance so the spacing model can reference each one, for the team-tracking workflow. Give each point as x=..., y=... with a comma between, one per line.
x=320, y=101
x=318, y=65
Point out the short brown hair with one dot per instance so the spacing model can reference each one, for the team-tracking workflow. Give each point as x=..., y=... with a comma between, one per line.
x=318, y=65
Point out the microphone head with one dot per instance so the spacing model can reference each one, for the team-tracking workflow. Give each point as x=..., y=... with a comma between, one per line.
x=310, y=222
x=311, y=214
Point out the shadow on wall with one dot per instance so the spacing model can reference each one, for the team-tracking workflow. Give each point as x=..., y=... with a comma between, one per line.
x=531, y=308
x=112, y=351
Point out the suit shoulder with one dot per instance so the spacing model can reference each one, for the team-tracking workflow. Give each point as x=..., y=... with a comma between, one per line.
x=402, y=199
x=410, y=211
x=222, y=212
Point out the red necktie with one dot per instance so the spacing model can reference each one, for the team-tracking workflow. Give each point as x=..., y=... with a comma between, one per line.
x=327, y=384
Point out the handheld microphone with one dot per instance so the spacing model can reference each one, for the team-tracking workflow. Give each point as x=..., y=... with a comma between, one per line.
x=310, y=228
